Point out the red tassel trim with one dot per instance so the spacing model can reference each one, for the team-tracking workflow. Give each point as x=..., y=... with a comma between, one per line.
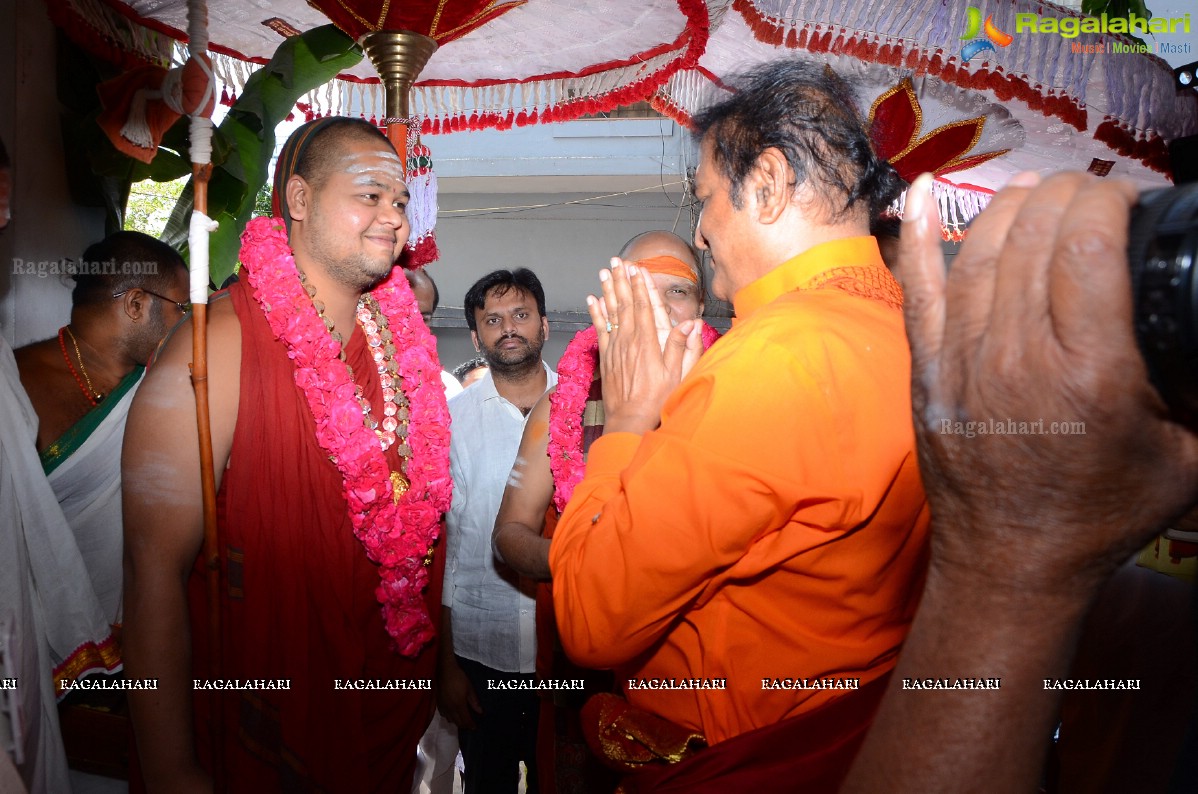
x=670, y=109
x=1151, y=150
x=767, y=31
x=84, y=35
x=423, y=253
x=694, y=36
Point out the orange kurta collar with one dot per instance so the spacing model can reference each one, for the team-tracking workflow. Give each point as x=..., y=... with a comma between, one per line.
x=797, y=271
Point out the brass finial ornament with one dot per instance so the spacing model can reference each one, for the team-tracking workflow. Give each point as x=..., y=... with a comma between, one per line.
x=399, y=56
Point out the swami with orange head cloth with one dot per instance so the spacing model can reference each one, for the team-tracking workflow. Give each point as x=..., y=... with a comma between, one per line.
x=559, y=432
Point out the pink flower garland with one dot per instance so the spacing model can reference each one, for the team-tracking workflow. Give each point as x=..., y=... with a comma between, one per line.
x=575, y=371
x=397, y=536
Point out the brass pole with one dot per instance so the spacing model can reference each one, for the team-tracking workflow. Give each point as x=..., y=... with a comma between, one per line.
x=399, y=56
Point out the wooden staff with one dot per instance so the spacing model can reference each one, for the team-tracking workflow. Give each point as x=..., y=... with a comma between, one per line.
x=211, y=549
x=201, y=135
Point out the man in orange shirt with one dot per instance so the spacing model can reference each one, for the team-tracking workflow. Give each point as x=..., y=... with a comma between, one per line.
x=748, y=543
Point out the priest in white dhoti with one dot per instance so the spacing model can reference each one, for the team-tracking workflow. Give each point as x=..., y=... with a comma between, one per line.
x=130, y=289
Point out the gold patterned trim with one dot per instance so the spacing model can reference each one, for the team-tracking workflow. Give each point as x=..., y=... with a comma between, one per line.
x=377, y=26
x=490, y=9
x=872, y=283
x=904, y=86
x=87, y=658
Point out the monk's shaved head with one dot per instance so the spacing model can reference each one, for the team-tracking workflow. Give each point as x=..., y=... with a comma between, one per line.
x=326, y=150
x=659, y=243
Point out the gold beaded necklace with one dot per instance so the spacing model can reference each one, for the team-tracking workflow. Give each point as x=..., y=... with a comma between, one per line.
x=93, y=396
x=396, y=410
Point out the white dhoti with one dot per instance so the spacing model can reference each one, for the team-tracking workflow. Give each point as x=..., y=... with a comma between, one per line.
x=48, y=607
x=84, y=469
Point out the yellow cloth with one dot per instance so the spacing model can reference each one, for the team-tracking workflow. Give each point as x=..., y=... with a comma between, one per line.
x=774, y=525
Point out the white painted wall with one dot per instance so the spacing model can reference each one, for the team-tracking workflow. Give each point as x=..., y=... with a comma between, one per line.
x=46, y=226
x=564, y=244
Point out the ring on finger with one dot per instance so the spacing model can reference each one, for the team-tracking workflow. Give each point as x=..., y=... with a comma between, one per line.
x=612, y=326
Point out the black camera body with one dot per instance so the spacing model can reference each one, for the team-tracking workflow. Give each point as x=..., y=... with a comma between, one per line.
x=1162, y=246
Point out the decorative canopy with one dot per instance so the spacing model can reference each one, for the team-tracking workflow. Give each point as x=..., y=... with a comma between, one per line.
x=972, y=102
x=498, y=63
x=1022, y=101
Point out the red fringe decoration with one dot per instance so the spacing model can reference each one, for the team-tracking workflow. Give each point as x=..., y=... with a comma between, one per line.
x=80, y=31
x=423, y=253
x=1002, y=89
x=694, y=37
x=1150, y=149
x=668, y=108
x=762, y=30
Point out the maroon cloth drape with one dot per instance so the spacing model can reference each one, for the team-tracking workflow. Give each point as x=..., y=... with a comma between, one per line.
x=298, y=601
x=564, y=762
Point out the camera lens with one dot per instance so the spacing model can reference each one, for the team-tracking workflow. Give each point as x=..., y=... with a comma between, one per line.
x=1162, y=245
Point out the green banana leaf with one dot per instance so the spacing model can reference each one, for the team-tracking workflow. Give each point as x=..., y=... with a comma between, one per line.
x=245, y=140
x=1117, y=8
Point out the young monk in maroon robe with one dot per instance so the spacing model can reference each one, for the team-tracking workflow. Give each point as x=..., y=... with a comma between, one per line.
x=332, y=469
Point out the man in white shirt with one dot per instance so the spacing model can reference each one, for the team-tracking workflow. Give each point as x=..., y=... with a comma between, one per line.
x=488, y=642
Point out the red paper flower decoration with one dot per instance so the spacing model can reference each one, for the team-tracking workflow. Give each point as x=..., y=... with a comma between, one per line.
x=895, y=120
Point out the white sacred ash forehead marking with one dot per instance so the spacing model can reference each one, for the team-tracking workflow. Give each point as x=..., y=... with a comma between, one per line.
x=380, y=162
